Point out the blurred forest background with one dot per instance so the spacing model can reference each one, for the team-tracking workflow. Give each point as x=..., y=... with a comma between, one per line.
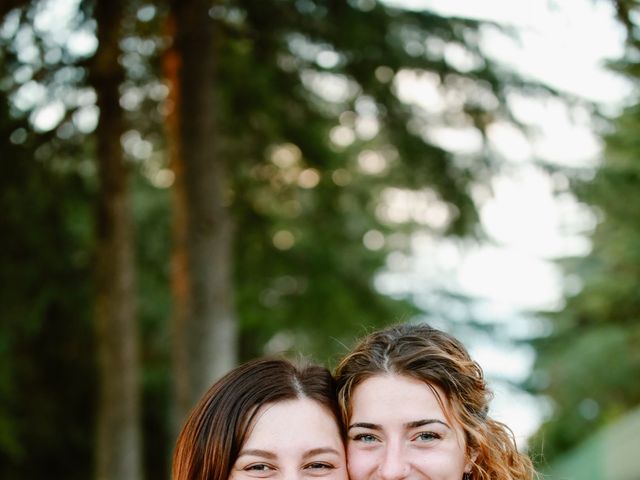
x=189, y=184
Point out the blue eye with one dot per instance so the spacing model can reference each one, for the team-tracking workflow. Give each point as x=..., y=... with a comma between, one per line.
x=365, y=438
x=427, y=436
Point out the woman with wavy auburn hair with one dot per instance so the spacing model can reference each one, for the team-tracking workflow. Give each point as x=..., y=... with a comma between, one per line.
x=415, y=407
x=265, y=419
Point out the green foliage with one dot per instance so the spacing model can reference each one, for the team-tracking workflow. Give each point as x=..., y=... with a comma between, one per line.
x=45, y=335
x=589, y=365
x=279, y=64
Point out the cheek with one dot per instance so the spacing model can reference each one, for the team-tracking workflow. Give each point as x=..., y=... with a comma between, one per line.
x=445, y=463
x=360, y=463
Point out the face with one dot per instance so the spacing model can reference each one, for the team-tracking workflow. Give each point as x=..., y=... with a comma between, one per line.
x=290, y=440
x=397, y=431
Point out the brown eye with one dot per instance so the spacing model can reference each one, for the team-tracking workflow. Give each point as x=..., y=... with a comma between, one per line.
x=319, y=466
x=258, y=467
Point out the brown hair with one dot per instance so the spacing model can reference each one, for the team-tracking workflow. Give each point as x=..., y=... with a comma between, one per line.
x=208, y=446
x=424, y=353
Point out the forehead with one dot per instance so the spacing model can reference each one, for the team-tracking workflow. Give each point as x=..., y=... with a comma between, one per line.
x=292, y=422
x=392, y=396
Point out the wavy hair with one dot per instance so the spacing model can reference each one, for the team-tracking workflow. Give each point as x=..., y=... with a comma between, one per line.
x=431, y=356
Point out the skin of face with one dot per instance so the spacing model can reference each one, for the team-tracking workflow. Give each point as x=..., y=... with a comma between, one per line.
x=398, y=430
x=291, y=440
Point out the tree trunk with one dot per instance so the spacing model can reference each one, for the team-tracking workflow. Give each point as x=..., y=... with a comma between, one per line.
x=204, y=324
x=118, y=443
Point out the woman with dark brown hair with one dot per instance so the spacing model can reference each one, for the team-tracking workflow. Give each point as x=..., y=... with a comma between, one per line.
x=264, y=419
x=415, y=406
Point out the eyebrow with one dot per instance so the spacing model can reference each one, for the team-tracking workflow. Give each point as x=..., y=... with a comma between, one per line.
x=414, y=424
x=270, y=455
x=319, y=451
x=258, y=453
x=421, y=423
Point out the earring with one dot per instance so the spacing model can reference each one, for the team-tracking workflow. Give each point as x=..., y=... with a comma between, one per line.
x=466, y=476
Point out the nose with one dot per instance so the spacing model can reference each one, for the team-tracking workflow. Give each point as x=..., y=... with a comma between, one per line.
x=292, y=474
x=394, y=463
